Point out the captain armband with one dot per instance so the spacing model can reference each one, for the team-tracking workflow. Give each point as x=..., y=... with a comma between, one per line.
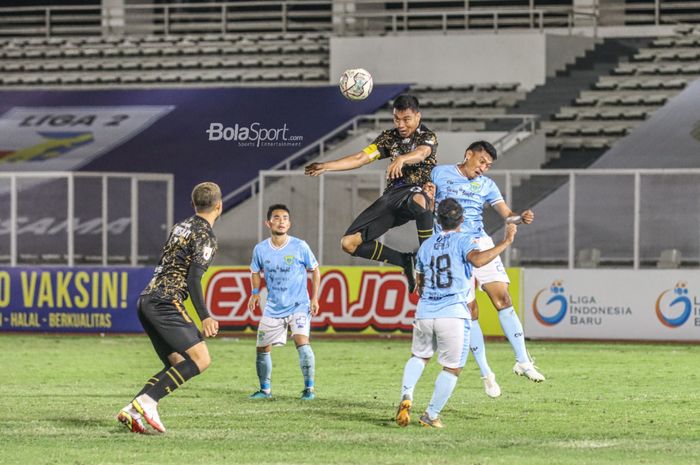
x=372, y=152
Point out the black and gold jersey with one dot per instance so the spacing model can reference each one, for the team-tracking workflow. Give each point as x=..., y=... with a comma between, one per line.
x=390, y=144
x=190, y=241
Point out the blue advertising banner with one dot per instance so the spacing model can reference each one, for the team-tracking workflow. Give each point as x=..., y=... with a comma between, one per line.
x=72, y=300
x=225, y=135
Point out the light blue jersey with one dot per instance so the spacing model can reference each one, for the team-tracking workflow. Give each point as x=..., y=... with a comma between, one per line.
x=447, y=283
x=470, y=193
x=285, y=275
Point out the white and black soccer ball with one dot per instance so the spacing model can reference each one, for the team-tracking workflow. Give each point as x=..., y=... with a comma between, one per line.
x=356, y=84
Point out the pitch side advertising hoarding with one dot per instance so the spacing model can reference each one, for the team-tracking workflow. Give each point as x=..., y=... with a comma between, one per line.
x=103, y=300
x=661, y=305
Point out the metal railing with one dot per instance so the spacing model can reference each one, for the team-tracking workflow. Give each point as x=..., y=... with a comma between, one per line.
x=567, y=185
x=355, y=17
x=318, y=148
x=36, y=182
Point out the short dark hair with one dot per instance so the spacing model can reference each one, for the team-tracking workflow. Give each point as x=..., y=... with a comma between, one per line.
x=483, y=146
x=205, y=196
x=450, y=213
x=277, y=206
x=406, y=102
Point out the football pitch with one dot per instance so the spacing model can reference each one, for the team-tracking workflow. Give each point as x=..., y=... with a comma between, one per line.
x=601, y=404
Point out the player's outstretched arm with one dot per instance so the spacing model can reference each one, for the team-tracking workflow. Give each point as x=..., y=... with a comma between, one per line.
x=481, y=258
x=527, y=217
x=350, y=162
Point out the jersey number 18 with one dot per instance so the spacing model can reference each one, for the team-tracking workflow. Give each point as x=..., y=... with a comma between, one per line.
x=441, y=268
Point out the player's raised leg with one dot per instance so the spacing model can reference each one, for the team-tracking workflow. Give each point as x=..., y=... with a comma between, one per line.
x=419, y=206
x=513, y=329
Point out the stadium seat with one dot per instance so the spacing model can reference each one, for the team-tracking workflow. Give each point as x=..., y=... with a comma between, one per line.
x=663, y=42
x=673, y=84
x=669, y=259
x=669, y=70
x=691, y=69
x=588, y=258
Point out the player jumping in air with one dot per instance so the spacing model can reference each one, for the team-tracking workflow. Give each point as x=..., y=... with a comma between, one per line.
x=467, y=184
x=284, y=260
x=443, y=316
x=187, y=254
x=412, y=148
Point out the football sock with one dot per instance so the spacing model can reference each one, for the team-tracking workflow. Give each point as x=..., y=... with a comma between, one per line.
x=476, y=344
x=263, y=365
x=173, y=378
x=411, y=374
x=307, y=362
x=513, y=329
x=375, y=250
x=444, y=385
x=152, y=381
x=424, y=225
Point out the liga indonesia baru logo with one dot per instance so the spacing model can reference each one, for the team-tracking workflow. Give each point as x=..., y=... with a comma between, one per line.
x=674, y=307
x=555, y=306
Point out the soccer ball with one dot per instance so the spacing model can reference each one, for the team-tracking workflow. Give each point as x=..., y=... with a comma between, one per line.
x=356, y=84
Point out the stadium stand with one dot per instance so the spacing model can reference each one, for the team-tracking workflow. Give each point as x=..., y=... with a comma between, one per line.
x=617, y=103
x=126, y=61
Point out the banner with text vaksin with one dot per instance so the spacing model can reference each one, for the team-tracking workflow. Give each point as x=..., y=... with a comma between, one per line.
x=72, y=300
x=225, y=135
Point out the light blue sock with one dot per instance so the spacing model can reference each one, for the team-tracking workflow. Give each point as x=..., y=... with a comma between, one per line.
x=307, y=362
x=411, y=374
x=513, y=329
x=263, y=365
x=444, y=385
x=476, y=344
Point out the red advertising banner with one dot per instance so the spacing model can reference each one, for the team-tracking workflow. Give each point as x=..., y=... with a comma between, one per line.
x=351, y=298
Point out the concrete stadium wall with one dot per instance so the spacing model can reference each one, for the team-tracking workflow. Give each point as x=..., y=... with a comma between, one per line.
x=525, y=57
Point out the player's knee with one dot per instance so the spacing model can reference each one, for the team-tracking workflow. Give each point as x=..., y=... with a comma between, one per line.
x=418, y=205
x=350, y=244
x=420, y=200
x=202, y=359
x=454, y=371
x=502, y=301
x=175, y=358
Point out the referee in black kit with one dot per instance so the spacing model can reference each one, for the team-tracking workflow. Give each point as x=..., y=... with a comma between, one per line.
x=412, y=148
x=180, y=345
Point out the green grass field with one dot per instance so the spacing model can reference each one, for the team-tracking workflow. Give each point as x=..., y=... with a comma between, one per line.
x=601, y=403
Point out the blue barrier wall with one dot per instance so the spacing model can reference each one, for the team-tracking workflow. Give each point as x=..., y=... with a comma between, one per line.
x=224, y=135
x=74, y=300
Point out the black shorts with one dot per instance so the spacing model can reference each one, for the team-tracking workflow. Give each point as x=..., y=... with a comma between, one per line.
x=387, y=212
x=168, y=326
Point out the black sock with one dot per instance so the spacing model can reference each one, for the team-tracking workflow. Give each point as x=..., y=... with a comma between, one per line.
x=152, y=381
x=424, y=225
x=375, y=250
x=172, y=379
